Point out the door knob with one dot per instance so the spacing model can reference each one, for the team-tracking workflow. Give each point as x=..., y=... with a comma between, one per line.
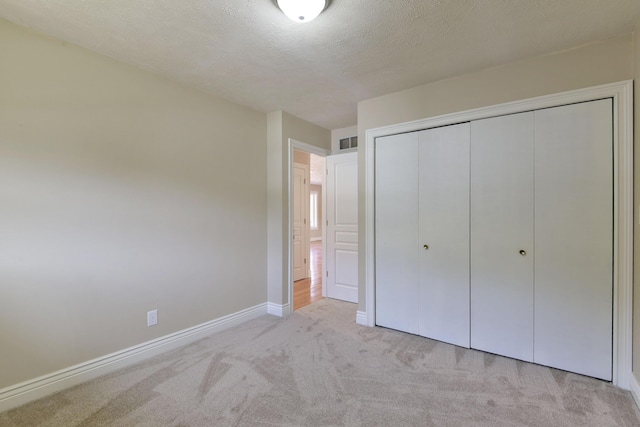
x=426, y=247
x=523, y=252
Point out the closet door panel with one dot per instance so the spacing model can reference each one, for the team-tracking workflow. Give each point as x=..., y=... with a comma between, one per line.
x=574, y=241
x=444, y=227
x=396, y=223
x=502, y=235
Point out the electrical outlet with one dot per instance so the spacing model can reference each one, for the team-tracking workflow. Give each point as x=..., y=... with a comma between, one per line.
x=152, y=317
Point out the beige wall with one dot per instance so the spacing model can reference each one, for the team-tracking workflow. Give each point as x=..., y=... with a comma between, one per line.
x=636, y=245
x=590, y=65
x=121, y=192
x=282, y=127
x=276, y=166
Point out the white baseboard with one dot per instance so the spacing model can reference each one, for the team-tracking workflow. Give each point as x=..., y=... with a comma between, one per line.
x=634, y=388
x=316, y=239
x=280, y=310
x=19, y=394
x=361, y=318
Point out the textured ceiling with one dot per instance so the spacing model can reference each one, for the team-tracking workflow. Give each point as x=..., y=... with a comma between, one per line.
x=248, y=52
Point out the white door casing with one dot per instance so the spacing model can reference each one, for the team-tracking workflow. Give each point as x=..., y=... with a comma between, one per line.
x=342, y=227
x=287, y=307
x=622, y=95
x=300, y=221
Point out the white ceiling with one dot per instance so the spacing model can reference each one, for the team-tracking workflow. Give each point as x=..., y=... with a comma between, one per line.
x=248, y=52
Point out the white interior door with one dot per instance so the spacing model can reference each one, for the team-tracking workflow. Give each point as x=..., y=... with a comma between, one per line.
x=300, y=207
x=444, y=229
x=574, y=238
x=396, y=224
x=342, y=227
x=502, y=227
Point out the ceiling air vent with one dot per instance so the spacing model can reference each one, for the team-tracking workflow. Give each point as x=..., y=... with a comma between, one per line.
x=349, y=143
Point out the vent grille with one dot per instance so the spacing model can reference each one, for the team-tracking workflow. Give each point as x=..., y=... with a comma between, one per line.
x=349, y=143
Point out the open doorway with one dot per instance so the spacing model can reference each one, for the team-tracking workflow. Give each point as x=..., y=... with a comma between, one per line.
x=308, y=227
x=336, y=262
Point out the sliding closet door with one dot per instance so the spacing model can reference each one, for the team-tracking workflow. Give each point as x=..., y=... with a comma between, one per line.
x=444, y=234
x=396, y=222
x=502, y=235
x=574, y=241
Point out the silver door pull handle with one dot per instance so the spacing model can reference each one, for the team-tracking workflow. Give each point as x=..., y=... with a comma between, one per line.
x=523, y=252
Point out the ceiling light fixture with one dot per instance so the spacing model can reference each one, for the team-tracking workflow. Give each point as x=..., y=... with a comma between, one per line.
x=302, y=10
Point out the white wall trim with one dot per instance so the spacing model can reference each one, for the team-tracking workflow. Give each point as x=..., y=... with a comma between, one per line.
x=635, y=390
x=361, y=318
x=288, y=247
x=280, y=310
x=622, y=94
x=19, y=394
x=316, y=239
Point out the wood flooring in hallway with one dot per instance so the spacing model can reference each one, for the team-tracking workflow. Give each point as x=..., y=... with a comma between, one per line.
x=307, y=291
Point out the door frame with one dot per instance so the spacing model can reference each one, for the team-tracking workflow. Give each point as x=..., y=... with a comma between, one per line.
x=293, y=144
x=622, y=95
x=305, y=233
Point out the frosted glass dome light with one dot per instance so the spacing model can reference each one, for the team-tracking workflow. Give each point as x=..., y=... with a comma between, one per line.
x=302, y=10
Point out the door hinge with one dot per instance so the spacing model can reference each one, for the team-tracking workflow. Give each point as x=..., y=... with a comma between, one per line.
x=327, y=273
x=327, y=223
x=304, y=181
x=305, y=220
x=305, y=260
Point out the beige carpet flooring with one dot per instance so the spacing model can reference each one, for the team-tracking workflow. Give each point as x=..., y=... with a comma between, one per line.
x=318, y=368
